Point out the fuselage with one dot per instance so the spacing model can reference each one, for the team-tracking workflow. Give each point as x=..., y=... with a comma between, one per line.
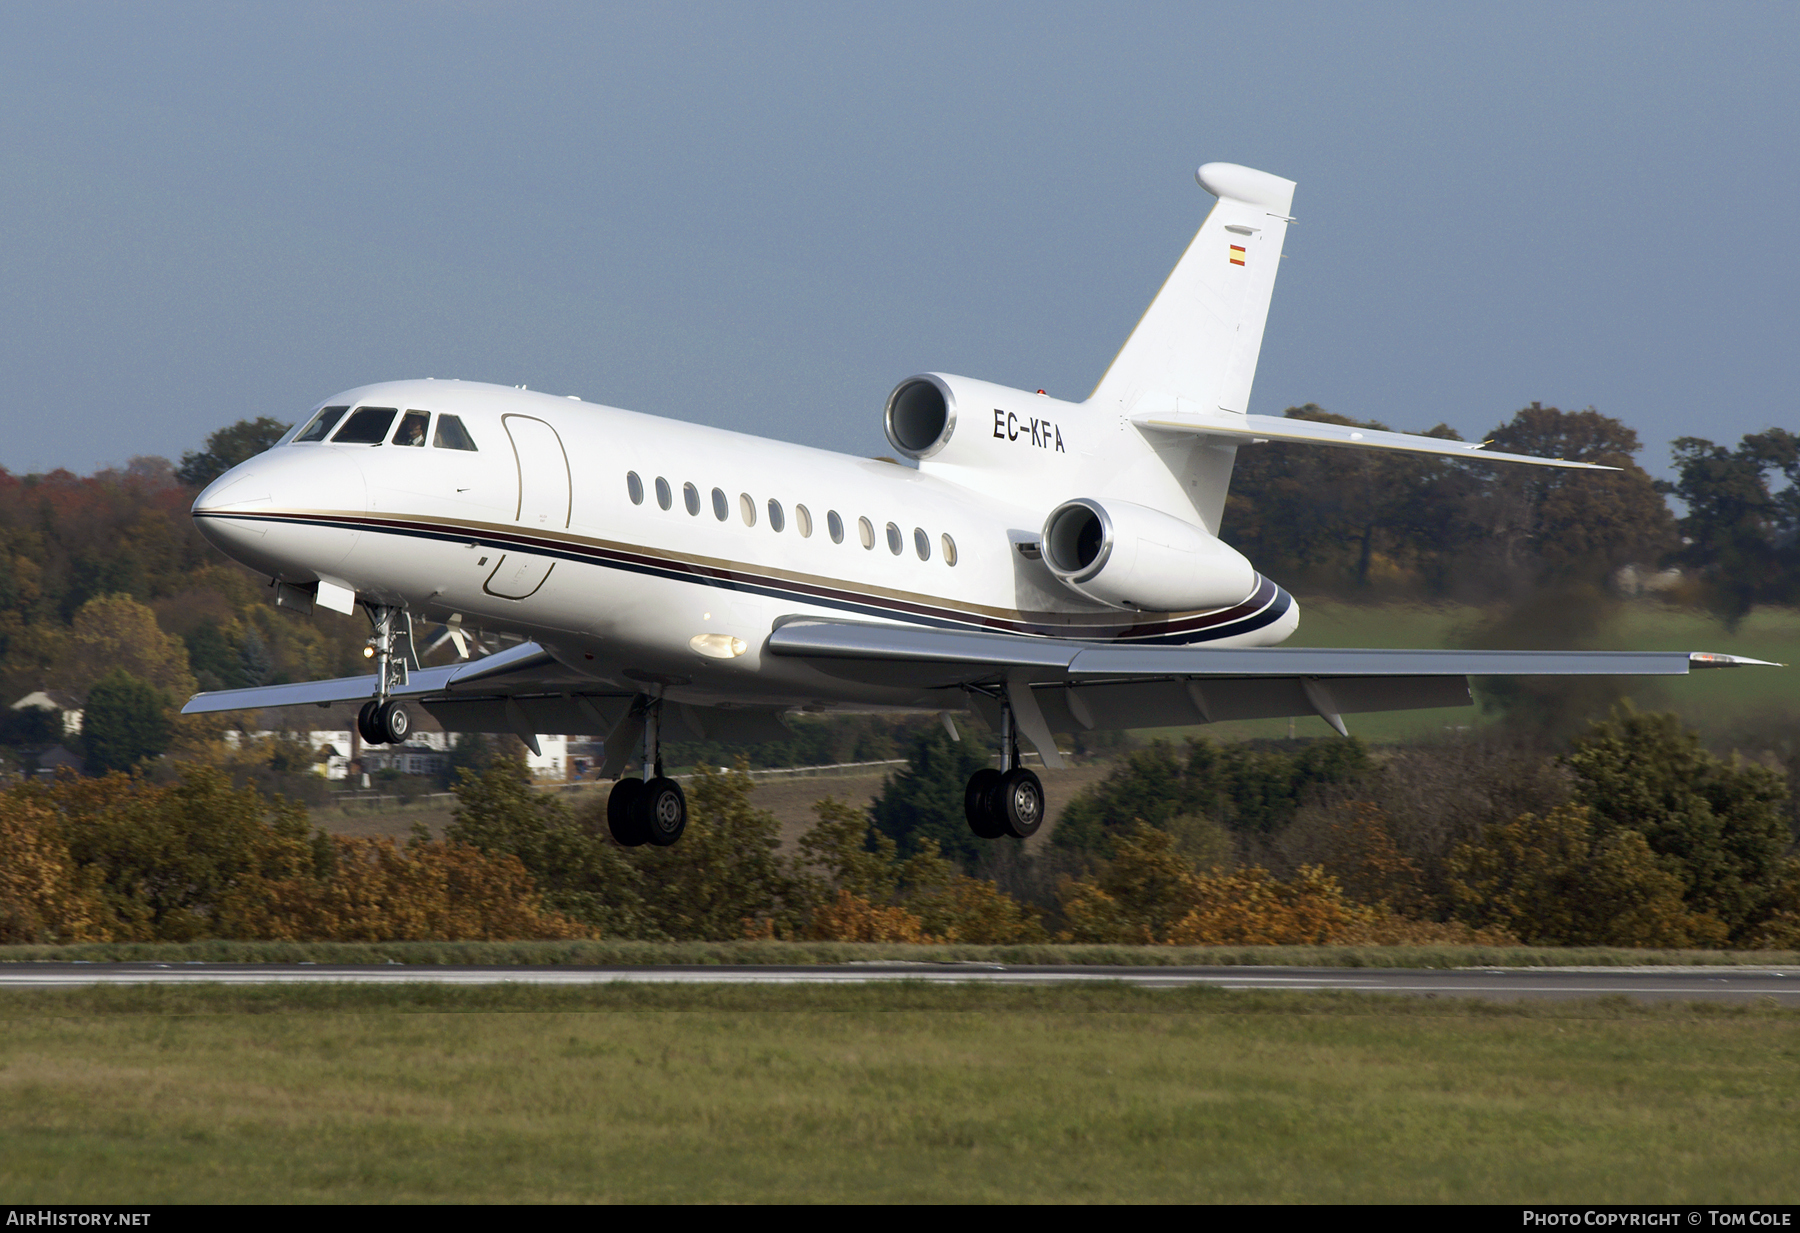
x=642, y=549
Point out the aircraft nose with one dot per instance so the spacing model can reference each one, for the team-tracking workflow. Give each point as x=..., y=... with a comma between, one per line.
x=267, y=512
x=232, y=511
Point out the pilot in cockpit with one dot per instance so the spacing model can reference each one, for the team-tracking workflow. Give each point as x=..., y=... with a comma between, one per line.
x=412, y=429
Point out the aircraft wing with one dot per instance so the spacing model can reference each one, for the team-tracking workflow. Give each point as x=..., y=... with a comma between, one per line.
x=1081, y=685
x=528, y=663
x=523, y=690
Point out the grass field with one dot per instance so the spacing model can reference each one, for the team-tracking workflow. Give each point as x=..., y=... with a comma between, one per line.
x=885, y=1093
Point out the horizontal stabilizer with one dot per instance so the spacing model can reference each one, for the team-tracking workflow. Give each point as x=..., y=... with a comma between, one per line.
x=1243, y=428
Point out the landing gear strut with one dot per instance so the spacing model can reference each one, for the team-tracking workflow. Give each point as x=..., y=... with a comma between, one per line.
x=382, y=720
x=652, y=809
x=1007, y=801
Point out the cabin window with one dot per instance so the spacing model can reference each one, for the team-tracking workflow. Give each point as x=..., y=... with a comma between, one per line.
x=366, y=426
x=865, y=531
x=835, y=525
x=322, y=423
x=412, y=429
x=803, y=521
x=451, y=435
x=896, y=541
x=949, y=550
x=776, y=520
x=747, y=508
x=922, y=543
x=721, y=507
x=635, y=487
x=690, y=497
x=664, y=497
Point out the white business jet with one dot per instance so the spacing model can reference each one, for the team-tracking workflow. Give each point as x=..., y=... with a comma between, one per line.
x=1050, y=565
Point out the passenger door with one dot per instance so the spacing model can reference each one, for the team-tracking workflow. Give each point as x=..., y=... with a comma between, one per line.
x=545, y=492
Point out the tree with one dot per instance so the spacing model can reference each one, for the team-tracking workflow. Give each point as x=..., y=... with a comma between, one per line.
x=1250, y=786
x=925, y=801
x=1568, y=879
x=1739, y=534
x=848, y=853
x=727, y=872
x=1333, y=517
x=126, y=723
x=1147, y=893
x=1551, y=526
x=168, y=857
x=581, y=873
x=116, y=632
x=255, y=665
x=1717, y=824
x=44, y=897
x=227, y=447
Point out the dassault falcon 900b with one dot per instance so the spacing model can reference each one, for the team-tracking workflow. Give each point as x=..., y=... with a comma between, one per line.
x=1050, y=565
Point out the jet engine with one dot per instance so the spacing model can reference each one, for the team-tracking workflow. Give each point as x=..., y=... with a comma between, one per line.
x=1132, y=557
x=920, y=416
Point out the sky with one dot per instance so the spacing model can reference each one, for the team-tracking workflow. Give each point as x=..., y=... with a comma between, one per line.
x=764, y=216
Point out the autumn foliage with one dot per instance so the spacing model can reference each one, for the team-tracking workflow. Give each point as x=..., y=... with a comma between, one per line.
x=1654, y=843
x=122, y=859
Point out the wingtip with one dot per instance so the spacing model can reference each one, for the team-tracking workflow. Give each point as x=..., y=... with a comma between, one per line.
x=1710, y=659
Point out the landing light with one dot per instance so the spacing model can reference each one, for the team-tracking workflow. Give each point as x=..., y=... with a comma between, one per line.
x=717, y=646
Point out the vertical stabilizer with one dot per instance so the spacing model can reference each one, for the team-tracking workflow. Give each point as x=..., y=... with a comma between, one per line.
x=1194, y=352
x=1197, y=343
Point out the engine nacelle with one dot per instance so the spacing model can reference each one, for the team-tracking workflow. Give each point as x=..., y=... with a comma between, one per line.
x=1130, y=556
x=963, y=422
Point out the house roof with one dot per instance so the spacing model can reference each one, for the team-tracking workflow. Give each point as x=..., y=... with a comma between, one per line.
x=49, y=700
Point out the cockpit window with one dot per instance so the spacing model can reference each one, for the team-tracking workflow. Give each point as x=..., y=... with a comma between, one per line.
x=451, y=435
x=366, y=426
x=322, y=423
x=412, y=428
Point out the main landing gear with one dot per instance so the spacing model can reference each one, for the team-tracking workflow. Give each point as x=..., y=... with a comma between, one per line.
x=383, y=723
x=1007, y=801
x=382, y=720
x=652, y=809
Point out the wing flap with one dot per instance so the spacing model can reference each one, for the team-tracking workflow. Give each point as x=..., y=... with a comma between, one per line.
x=1103, y=661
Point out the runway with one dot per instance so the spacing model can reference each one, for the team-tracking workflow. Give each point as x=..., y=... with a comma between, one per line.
x=1780, y=985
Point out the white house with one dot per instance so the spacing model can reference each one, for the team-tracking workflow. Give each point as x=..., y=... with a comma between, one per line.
x=67, y=705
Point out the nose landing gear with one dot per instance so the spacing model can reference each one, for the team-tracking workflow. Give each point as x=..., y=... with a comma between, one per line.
x=652, y=809
x=1007, y=801
x=382, y=720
